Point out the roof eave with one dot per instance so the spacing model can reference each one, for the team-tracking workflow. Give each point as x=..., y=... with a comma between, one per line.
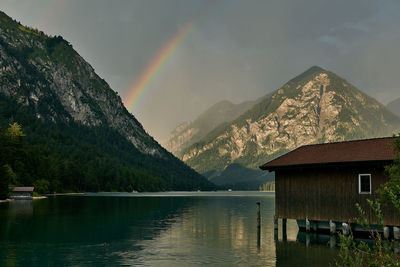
x=329, y=164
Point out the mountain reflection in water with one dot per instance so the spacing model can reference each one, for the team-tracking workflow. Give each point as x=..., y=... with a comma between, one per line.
x=158, y=229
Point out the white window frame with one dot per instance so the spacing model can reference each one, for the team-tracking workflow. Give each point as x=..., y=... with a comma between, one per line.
x=370, y=183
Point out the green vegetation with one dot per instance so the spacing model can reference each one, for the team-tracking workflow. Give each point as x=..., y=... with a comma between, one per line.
x=73, y=158
x=382, y=253
x=27, y=30
x=46, y=86
x=61, y=51
x=268, y=186
x=10, y=150
x=237, y=177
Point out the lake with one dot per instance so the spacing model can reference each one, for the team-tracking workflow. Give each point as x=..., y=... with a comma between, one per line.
x=152, y=229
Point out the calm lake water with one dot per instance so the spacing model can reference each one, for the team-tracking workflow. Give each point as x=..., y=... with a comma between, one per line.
x=152, y=229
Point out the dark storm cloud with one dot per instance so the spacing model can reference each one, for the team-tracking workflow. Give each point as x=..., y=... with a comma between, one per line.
x=239, y=50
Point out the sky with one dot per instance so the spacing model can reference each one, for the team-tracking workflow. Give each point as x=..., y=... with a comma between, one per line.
x=232, y=50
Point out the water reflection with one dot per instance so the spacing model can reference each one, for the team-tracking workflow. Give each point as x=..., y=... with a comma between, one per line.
x=80, y=230
x=21, y=207
x=218, y=232
x=292, y=253
x=156, y=230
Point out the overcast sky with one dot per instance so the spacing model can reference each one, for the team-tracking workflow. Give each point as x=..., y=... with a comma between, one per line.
x=238, y=50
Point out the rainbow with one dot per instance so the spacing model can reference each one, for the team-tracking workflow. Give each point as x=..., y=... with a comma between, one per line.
x=155, y=65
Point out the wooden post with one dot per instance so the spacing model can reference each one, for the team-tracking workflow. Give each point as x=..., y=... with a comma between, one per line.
x=284, y=234
x=396, y=233
x=386, y=233
x=258, y=224
x=315, y=226
x=258, y=215
x=332, y=241
x=308, y=225
x=275, y=223
x=275, y=228
x=332, y=227
x=396, y=247
x=345, y=229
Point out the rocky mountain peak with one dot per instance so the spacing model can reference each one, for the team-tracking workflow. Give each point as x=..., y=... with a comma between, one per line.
x=47, y=74
x=311, y=71
x=190, y=132
x=315, y=107
x=77, y=127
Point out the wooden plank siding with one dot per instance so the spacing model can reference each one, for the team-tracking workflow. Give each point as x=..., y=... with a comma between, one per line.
x=327, y=193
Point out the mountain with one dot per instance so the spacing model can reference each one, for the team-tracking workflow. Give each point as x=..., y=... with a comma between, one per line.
x=65, y=107
x=237, y=177
x=317, y=106
x=191, y=132
x=394, y=106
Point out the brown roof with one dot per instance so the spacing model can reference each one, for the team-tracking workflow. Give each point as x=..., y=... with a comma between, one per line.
x=24, y=189
x=380, y=149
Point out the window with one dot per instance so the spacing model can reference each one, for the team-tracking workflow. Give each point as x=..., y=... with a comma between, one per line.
x=364, y=183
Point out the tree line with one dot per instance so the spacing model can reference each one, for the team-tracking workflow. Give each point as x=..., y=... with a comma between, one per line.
x=78, y=169
x=60, y=157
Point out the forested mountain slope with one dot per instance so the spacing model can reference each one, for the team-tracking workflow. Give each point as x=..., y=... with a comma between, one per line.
x=79, y=135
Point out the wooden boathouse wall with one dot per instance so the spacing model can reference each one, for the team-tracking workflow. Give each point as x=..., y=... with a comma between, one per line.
x=326, y=193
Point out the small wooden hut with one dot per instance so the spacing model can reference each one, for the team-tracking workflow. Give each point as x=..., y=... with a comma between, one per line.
x=22, y=192
x=323, y=182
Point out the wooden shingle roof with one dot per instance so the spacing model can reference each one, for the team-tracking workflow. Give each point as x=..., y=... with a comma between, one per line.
x=23, y=189
x=369, y=150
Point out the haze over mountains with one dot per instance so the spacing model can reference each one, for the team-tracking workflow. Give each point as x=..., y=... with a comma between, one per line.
x=71, y=116
x=394, y=106
x=79, y=134
x=190, y=132
x=315, y=107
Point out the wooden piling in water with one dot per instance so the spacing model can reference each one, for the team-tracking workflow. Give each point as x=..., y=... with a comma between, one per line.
x=396, y=232
x=332, y=227
x=396, y=247
x=332, y=241
x=308, y=225
x=284, y=232
x=275, y=228
x=345, y=229
x=386, y=233
x=315, y=226
x=258, y=215
x=258, y=224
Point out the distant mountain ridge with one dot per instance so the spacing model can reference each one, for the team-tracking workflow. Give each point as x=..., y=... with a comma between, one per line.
x=191, y=132
x=315, y=107
x=394, y=106
x=49, y=88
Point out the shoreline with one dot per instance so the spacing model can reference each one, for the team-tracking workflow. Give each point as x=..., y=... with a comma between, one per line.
x=11, y=200
x=62, y=194
x=41, y=197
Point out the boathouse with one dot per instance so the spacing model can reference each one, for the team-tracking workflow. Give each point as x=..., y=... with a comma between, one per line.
x=22, y=192
x=323, y=182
